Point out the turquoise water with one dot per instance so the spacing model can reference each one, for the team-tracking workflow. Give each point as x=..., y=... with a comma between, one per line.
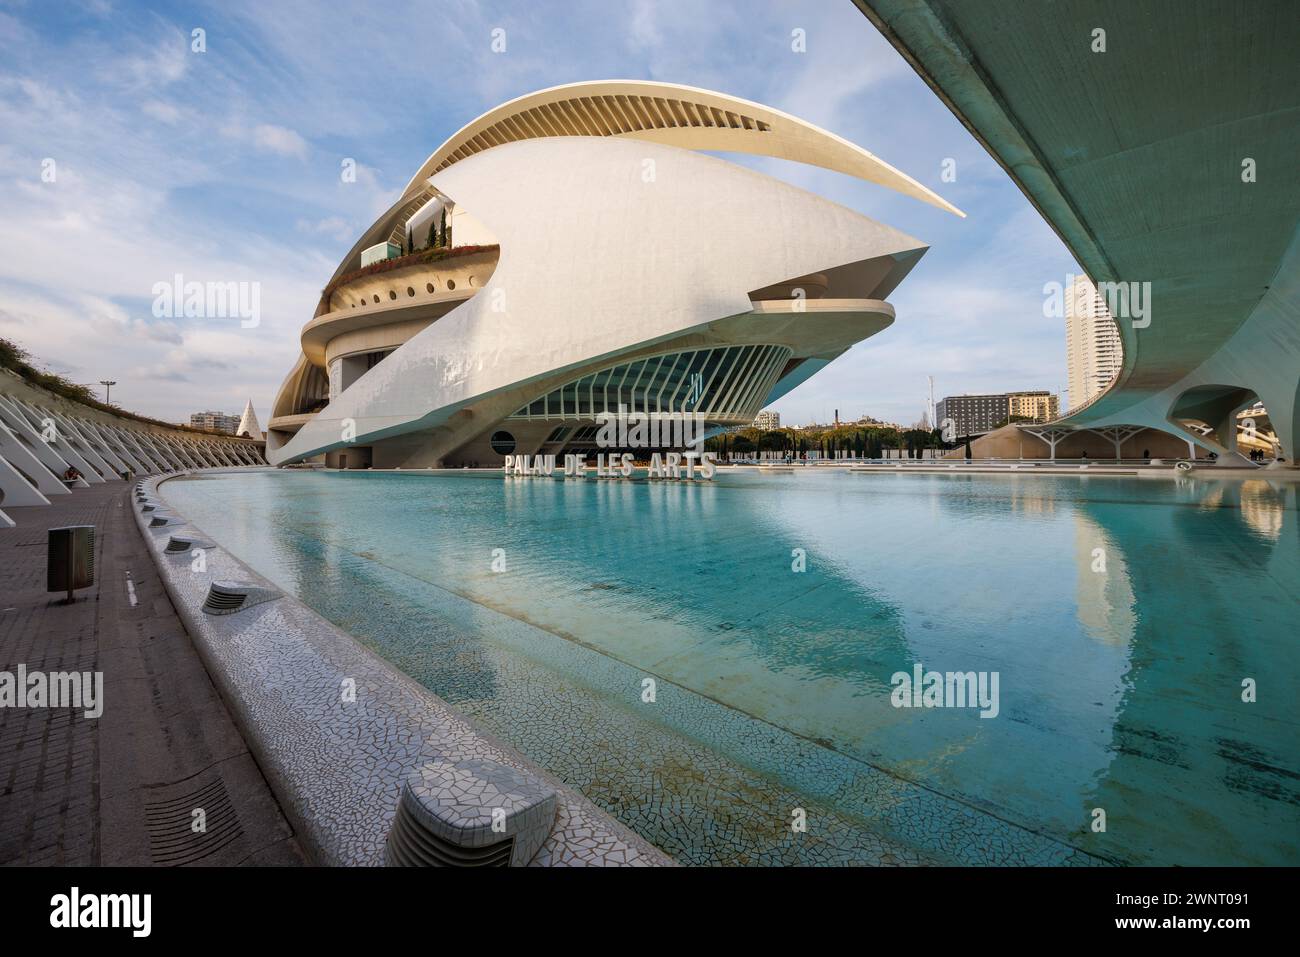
x=1121, y=617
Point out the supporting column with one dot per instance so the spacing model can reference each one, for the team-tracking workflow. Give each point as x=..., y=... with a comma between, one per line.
x=1051, y=436
x=152, y=464
x=102, y=445
x=1117, y=435
x=84, y=446
x=163, y=454
x=61, y=444
x=216, y=455
x=17, y=490
x=33, y=469
x=19, y=424
x=139, y=463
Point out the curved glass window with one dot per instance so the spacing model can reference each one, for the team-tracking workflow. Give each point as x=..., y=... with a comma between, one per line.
x=727, y=382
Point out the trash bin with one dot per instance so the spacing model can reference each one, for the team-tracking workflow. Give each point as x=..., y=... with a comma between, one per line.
x=71, y=560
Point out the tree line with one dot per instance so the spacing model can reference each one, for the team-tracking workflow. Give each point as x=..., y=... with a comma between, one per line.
x=855, y=440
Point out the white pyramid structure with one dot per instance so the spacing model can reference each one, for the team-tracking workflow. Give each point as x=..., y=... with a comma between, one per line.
x=248, y=423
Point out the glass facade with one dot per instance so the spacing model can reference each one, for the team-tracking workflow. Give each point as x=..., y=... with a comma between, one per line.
x=728, y=382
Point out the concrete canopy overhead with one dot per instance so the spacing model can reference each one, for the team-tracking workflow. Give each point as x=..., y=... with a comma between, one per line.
x=1169, y=159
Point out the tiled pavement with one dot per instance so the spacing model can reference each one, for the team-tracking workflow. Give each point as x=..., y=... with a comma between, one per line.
x=125, y=788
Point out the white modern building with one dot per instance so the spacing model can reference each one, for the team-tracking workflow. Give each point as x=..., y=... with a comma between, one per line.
x=593, y=259
x=767, y=420
x=1094, y=351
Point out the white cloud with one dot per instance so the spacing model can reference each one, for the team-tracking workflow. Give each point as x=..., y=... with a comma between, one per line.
x=334, y=226
x=45, y=98
x=162, y=112
x=157, y=330
x=643, y=27
x=151, y=63
x=278, y=139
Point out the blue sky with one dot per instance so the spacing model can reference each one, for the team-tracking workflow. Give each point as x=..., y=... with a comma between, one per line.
x=224, y=166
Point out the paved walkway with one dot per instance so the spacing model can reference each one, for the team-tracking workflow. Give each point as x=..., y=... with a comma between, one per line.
x=126, y=788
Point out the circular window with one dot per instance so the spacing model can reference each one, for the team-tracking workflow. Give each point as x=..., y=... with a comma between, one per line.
x=472, y=282
x=410, y=291
x=376, y=300
x=391, y=294
x=451, y=284
x=503, y=443
x=428, y=287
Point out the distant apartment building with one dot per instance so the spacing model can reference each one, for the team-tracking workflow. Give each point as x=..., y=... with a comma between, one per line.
x=1093, y=348
x=215, y=421
x=978, y=414
x=767, y=420
x=971, y=414
x=1037, y=406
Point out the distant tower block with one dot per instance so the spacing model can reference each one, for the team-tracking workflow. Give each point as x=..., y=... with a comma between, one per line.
x=248, y=423
x=1094, y=349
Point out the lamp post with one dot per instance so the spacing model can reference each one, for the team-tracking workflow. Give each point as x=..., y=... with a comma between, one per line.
x=108, y=388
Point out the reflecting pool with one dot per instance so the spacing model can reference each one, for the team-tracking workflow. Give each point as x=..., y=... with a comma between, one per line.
x=714, y=662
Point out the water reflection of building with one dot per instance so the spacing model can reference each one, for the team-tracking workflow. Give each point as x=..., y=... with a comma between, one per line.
x=1214, y=604
x=1104, y=591
x=1262, y=506
x=1031, y=501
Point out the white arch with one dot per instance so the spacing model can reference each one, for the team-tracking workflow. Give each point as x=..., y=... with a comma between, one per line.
x=672, y=114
